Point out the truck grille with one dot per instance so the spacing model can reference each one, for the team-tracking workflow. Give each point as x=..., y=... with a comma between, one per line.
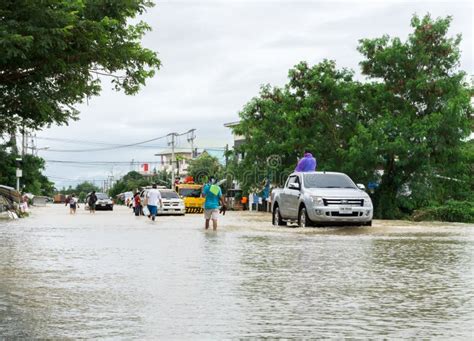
x=345, y=202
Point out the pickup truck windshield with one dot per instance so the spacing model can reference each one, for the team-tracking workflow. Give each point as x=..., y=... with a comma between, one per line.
x=190, y=192
x=327, y=181
x=101, y=196
x=169, y=195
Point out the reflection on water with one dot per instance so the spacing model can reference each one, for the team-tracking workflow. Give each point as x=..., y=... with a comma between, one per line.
x=115, y=275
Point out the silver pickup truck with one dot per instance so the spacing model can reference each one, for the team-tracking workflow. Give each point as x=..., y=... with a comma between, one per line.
x=321, y=198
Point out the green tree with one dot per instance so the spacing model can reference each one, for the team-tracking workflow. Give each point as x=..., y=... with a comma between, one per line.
x=84, y=188
x=32, y=181
x=134, y=180
x=53, y=52
x=409, y=121
x=315, y=110
x=7, y=167
x=205, y=166
x=420, y=109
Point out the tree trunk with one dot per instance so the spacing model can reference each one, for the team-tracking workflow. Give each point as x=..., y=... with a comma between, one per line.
x=386, y=197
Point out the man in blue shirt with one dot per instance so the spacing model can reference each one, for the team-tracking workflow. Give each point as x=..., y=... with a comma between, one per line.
x=213, y=195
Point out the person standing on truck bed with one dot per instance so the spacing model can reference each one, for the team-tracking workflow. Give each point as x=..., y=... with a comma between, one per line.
x=307, y=163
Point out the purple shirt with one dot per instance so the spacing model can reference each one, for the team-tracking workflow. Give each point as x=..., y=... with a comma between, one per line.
x=306, y=164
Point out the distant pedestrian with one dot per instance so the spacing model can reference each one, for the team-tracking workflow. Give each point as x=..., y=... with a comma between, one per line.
x=73, y=204
x=244, y=202
x=91, y=202
x=137, y=204
x=153, y=198
x=213, y=194
x=307, y=163
x=24, y=204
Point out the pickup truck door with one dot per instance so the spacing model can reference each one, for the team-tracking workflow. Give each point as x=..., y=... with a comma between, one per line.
x=284, y=198
x=293, y=199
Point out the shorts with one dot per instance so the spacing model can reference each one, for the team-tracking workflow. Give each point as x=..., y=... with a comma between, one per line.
x=153, y=210
x=212, y=213
x=73, y=206
x=92, y=206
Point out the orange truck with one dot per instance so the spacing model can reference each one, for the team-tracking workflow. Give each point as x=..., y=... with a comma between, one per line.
x=59, y=198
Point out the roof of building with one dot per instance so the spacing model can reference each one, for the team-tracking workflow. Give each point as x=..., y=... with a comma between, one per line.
x=231, y=124
x=217, y=153
x=176, y=152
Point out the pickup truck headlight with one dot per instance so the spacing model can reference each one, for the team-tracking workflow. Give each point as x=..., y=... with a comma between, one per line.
x=317, y=201
x=367, y=202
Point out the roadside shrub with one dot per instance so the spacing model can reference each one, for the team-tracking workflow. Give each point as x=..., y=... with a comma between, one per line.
x=454, y=211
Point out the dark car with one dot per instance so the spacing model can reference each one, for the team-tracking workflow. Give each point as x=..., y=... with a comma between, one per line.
x=104, y=202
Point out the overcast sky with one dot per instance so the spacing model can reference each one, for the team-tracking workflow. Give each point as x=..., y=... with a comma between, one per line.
x=216, y=55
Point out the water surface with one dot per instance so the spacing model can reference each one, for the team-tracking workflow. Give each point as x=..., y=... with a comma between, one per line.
x=113, y=275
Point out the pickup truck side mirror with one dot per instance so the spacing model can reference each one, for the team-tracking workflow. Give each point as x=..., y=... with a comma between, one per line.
x=361, y=187
x=294, y=186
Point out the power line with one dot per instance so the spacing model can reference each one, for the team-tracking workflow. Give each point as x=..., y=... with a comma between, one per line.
x=69, y=179
x=111, y=145
x=106, y=148
x=99, y=162
x=86, y=142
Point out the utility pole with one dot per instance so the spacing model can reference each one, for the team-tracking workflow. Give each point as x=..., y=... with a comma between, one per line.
x=32, y=145
x=173, y=144
x=19, y=172
x=23, y=142
x=191, y=137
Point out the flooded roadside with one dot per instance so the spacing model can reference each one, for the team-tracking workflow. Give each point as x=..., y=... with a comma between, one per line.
x=115, y=275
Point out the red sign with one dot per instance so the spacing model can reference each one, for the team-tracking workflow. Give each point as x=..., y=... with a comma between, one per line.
x=144, y=167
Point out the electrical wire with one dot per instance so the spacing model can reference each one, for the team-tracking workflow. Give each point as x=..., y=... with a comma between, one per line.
x=106, y=148
x=69, y=179
x=112, y=146
x=116, y=146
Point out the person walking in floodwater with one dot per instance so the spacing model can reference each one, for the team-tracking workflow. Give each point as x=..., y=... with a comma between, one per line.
x=153, y=198
x=137, y=204
x=213, y=194
x=307, y=163
x=91, y=201
x=73, y=204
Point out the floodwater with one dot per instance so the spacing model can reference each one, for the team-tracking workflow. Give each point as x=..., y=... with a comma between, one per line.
x=113, y=275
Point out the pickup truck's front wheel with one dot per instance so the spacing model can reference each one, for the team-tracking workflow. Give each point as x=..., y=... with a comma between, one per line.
x=303, y=219
x=276, y=219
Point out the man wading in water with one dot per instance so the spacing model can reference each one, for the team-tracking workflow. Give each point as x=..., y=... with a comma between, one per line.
x=153, y=198
x=73, y=204
x=91, y=201
x=213, y=195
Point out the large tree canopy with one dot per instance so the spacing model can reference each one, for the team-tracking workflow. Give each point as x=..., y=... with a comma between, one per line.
x=315, y=111
x=421, y=110
x=403, y=128
x=54, y=52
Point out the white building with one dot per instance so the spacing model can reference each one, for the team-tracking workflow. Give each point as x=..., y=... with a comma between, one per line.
x=182, y=159
x=238, y=139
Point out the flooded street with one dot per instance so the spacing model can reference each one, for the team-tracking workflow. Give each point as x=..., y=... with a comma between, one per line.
x=114, y=275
